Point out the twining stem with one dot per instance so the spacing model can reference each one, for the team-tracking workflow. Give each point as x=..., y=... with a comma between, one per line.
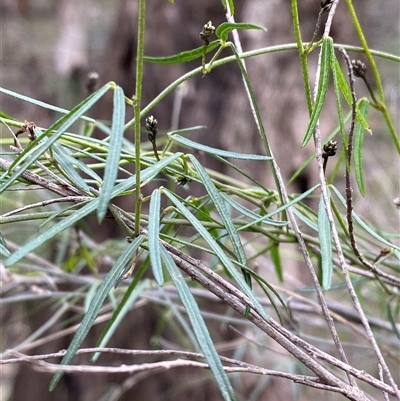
x=136, y=107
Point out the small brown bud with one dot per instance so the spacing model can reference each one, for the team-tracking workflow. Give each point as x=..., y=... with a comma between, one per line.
x=208, y=30
x=330, y=149
x=359, y=68
x=92, y=81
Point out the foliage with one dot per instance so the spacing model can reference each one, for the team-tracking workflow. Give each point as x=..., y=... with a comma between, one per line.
x=235, y=223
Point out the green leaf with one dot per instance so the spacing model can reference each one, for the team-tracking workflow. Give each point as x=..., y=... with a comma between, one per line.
x=325, y=242
x=52, y=232
x=276, y=260
x=183, y=57
x=226, y=28
x=326, y=53
x=39, y=103
x=224, y=214
x=215, y=152
x=146, y=174
x=131, y=295
x=358, y=146
x=114, y=152
x=154, y=236
x=231, y=5
x=252, y=215
x=65, y=161
x=37, y=147
x=88, y=208
x=123, y=307
x=345, y=89
x=95, y=305
x=3, y=247
x=199, y=327
x=280, y=209
x=226, y=262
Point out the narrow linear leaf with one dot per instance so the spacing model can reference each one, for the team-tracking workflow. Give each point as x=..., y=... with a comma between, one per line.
x=276, y=260
x=345, y=89
x=3, y=247
x=146, y=174
x=226, y=262
x=37, y=147
x=359, y=146
x=224, y=214
x=114, y=152
x=183, y=57
x=65, y=161
x=249, y=213
x=281, y=208
x=226, y=28
x=365, y=226
x=199, y=327
x=123, y=308
x=325, y=241
x=52, y=232
x=38, y=103
x=154, y=236
x=95, y=305
x=216, y=152
x=326, y=53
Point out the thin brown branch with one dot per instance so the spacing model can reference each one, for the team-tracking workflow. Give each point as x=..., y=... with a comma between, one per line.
x=349, y=202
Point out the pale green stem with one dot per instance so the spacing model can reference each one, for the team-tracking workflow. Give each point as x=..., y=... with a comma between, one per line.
x=137, y=104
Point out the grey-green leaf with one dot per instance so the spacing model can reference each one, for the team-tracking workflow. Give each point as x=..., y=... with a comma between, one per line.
x=358, y=146
x=216, y=152
x=325, y=241
x=326, y=54
x=223, y=212
x=114, y=152
x=154, y=236
x=95, y=305
x=199, y=327
x=218, y=251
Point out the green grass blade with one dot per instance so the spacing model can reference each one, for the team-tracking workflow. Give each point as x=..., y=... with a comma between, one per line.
x=95, y=305
x=154, y=236
x=323, y=82
x=359, y=146
x=114, y=152
x=224, y=214
x=182, y=57
x=226, y=28
x=215, y=152
x=226, y=262
x=52, y=232
x=199, y=327
x=325, y=241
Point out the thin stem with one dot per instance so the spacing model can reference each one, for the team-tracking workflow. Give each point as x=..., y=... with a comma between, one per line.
x=137, y=104
x=349, y=202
